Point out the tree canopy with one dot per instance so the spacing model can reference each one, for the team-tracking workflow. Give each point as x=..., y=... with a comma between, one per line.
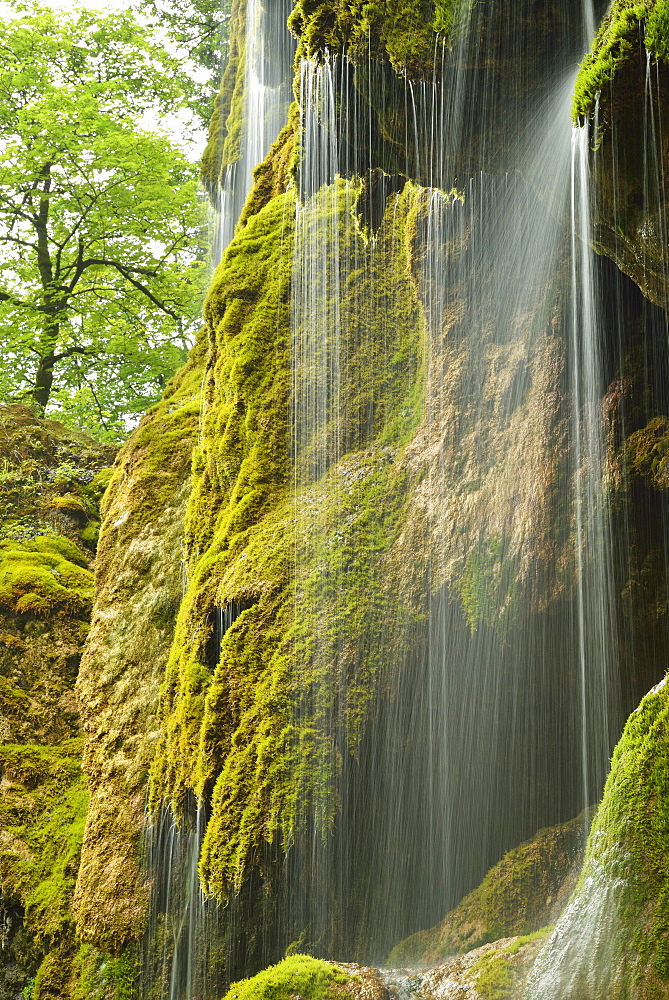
x=199, y=29
x=102, y=235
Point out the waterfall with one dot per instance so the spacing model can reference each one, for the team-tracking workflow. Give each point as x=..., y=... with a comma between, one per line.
x=458, y=641
x=461, y=746
x=594, y=545
x=268, y=54
x=589, y=952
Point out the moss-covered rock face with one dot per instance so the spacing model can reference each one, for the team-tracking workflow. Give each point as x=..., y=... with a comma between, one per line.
x=232, y=693
x=404, y=33
x=50, y=487
x=387, y=56
x=139, y=582
x=523, y=893
x=623, y=91
x=301, y=977
x=611, y=941
x=496, y=971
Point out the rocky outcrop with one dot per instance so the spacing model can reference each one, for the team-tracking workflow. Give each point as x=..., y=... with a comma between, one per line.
x=139, y=584
x=493, y=971
x=623, y=92
x=524, y=892
x=301, y=976
x=50, y=488
x=611, y=941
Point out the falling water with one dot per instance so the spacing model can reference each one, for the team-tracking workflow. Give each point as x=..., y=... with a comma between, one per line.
x=594, y=546
x=588, y=953
x=500, y=716
x=463, y=760
x=457, y=635
x=268, y=55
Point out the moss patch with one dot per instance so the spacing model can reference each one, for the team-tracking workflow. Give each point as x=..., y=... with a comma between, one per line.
x=496, y=975
x=42, y=817
x=43, y=576
x=50, y=478
x=51, y=482
x=611, y=942
x=520, y=895
x=139, y=586
x=628, y=26
x=222, y=147
x=299, y=977
x=404, y=33
x=646, y=453
x=230, y=701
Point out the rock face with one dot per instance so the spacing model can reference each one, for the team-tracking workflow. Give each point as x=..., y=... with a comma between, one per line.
x=623, y=92
x=139, y=584
x=279, y=576
x=492, y=972
x=526, y=891
x=50, y=490
x=611, y=941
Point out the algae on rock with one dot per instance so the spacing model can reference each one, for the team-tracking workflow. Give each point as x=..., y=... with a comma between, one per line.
x=50, y=487
x=523, y=893
x=139, y=580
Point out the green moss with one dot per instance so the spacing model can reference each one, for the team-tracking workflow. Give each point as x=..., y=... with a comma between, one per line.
x=229, y=728
x=403, y=33
x=630, y=836
x=657, y=30
x=48, y=477
x=50, y=488
x=495, y=975
x=42, y=816
x=611, y=941
x=646, y=453
x=70, y=503
x=627, y=25
x=519, y=895
x=298, y=977
x=44, y=575
x=225, y=127
x=488, y=583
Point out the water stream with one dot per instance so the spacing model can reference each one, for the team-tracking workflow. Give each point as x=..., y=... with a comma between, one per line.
x=266, y=96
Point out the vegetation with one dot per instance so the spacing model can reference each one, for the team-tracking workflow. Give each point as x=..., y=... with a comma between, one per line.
x=51, y=483
x=627, y=26
x=228, y=712
x=299, y=977
x=139, y=580
x=520, y=895
x=45, y=575
x=611, y=941
x=101, y=231
x=496, y=976
x=200, y=30
x=403, y=33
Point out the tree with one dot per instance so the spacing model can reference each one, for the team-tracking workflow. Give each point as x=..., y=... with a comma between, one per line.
x=102, y=237
x=199, y=29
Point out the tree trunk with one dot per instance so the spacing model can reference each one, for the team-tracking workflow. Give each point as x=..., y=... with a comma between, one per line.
x=41, y=390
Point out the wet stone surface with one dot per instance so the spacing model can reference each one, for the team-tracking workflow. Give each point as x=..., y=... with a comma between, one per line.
x=462, y=977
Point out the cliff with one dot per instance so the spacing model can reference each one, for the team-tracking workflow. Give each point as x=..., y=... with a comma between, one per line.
x=360, y=479
x=50, y=488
